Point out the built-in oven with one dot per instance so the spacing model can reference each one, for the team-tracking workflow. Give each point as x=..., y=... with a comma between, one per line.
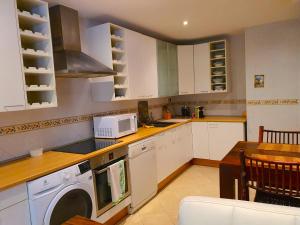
x=100, y=166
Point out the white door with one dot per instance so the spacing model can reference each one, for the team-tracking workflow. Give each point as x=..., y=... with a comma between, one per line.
x=142, y=65
x=12, y=93
x=200, y=140
x=202, y=68
x=16, y=214
x=186, y=69
x=223, y=137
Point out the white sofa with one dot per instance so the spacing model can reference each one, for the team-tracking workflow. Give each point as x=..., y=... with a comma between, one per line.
x=196, y=210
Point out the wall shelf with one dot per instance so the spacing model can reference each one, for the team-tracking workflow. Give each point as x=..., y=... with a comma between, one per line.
x=36, y=51
x=26, y=18
x=219, y=66
x=112, y=53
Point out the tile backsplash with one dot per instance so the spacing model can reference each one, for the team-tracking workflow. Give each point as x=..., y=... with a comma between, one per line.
x=23, y=131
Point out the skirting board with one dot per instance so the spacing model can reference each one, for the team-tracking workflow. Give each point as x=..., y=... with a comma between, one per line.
x=206, y=162
x=173, y=175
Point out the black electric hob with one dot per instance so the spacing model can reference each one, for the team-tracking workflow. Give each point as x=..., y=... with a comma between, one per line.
x=87, y=146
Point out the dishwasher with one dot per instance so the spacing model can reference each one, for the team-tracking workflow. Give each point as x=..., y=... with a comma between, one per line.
x=143, y=174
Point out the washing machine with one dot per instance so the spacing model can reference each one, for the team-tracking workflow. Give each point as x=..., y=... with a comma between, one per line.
x=55, y=198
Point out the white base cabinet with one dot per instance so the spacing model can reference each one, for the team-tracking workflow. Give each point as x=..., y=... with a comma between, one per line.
x=213, y=140
x=200, y=140
x=173, y=149
x=222, y=138
x=14, y=206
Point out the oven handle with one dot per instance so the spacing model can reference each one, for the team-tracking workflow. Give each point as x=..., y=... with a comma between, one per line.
x=106, y=168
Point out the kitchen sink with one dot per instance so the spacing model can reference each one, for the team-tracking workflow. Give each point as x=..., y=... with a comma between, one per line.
x=161, y=124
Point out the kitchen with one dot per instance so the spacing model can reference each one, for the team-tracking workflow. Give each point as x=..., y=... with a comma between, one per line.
x=46, y=112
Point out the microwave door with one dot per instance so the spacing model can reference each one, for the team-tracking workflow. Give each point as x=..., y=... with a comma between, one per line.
x=124, y=126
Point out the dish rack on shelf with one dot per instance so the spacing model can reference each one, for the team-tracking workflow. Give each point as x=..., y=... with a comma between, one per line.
x=36, y=51
x=219, y=66
x=112, y=53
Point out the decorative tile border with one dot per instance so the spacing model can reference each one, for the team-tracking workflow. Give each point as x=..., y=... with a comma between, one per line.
x=213, y=102
x=274, y=102
x=26, y=127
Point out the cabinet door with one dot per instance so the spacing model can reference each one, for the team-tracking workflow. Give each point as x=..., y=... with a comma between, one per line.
x=16, y=214
x=202, y=68
x=162, y=68
x=172, y=70
x=173, y=148
x=187, y=145
x=200, y=140
x=186, y=69
x=142, y=65
x=162, y=156
x=12, y=93
x=222, y=138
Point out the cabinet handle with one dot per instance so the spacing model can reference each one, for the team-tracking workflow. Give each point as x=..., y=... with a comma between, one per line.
x=184, y=92
x=13, y=107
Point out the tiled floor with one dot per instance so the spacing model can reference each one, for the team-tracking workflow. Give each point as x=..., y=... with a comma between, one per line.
x=163, y=209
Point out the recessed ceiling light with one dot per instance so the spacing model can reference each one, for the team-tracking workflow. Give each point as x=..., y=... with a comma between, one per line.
x=185, y=23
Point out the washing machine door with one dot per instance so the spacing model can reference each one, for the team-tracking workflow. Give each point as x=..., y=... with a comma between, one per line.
x=70, y=201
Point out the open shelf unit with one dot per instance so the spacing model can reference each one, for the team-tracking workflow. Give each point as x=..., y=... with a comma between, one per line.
x=118, y=52
x=36, y=51
x=112, y=52
x=219, y=66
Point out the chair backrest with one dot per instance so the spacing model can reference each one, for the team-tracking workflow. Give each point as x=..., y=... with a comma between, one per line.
x=280, y=137
x=279, y=178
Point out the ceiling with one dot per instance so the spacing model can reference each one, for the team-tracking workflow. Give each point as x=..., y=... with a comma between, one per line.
x=163, y=18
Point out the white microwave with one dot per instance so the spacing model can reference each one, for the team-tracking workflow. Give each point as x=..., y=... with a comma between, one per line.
x=115, y=126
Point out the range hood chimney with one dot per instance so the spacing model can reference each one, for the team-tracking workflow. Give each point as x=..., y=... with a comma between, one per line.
x=69, y=60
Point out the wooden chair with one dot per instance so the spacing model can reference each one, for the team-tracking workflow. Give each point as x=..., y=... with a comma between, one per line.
x=279, y=137
x=274, y=182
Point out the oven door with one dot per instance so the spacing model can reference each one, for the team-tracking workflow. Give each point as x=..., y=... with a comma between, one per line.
x=102, y=187
x=73, y=200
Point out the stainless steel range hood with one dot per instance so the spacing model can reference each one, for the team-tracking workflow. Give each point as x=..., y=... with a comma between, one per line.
x=69, y=60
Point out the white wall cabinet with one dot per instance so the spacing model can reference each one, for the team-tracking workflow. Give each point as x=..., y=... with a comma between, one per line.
x=14, y=206
x=27, y=78
x=202, y=68
x=186, y=69
x=222, y=138
x=106, y=43
x=142, y=65
x=200, y=140
x=12, y=94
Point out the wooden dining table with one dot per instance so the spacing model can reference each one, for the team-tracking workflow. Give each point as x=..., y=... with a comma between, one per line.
x=229, y=169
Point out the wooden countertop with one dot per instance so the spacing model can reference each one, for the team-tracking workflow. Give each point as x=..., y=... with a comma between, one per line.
x=229, y=119
x=29, y=168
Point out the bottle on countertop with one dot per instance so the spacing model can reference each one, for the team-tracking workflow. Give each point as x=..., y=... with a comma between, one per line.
x=199, y=112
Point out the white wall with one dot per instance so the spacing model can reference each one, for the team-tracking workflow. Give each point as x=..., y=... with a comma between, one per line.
x=238, y=83
x=273, y=50
x=73, y=99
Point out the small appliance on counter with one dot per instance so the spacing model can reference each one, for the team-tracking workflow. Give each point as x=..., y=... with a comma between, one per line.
x=115, y=126
x=143, y=110
x=199, y=112
x=185, y=111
